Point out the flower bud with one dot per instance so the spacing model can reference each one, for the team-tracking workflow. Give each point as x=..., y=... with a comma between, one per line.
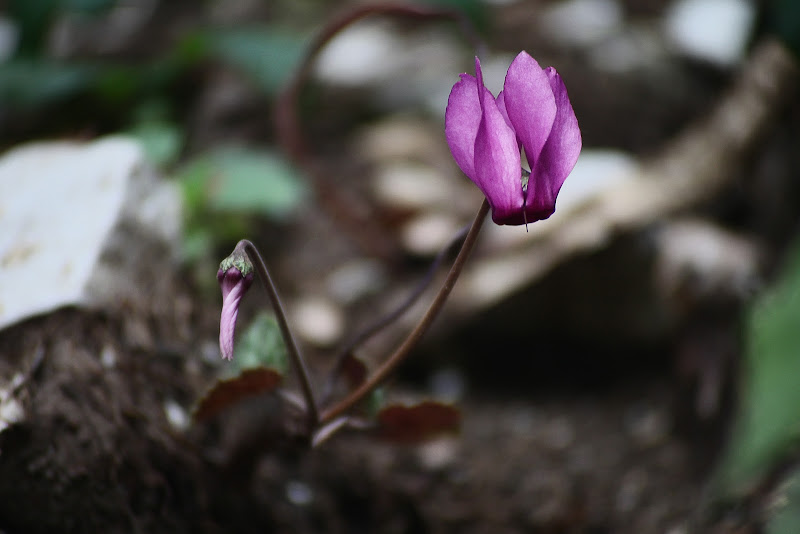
x=235, y=277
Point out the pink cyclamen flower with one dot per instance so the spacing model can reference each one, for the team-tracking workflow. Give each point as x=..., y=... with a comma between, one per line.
x=235, y=277
x=485, y=135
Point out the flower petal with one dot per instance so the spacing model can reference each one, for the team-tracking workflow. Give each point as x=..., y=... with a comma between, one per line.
x=497, y=160
x=501, y=105
x=461, y=120
x=234, y=285
x=558, y=156
x=530, y=104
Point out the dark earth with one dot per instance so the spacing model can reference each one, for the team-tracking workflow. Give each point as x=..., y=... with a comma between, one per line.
x=566, y=428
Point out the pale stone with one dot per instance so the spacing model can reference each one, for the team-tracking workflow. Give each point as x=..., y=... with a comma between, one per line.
x=412, y=185
x=712, y=30
x=176, y=415
x=429, y=233
x=317, y=320
x=79, y=222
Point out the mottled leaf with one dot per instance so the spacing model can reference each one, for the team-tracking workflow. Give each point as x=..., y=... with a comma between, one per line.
x=261, y=345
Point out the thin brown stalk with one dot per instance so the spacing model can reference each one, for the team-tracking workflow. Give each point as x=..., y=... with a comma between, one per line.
x=402, y=352
x=283, y=323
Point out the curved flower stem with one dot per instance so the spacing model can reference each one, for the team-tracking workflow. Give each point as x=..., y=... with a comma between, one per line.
x=288, y=125
x=370, y=237
x=291, y=346
x=413, y=338
x=373, y=329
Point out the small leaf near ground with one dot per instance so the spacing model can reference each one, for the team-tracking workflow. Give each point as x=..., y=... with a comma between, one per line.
x=226, y=393
x=261, y=345
x=411, y=424
x=27, y=83
x=161, y=141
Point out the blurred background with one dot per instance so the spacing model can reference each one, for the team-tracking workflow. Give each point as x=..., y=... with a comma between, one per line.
x=630, y=365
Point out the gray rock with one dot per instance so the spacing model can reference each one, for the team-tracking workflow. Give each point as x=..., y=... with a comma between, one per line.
x=83, y=224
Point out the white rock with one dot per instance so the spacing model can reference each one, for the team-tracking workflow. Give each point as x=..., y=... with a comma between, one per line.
x=77, y=220
x=713, y=30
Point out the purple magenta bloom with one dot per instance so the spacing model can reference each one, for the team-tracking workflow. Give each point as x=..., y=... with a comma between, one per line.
x=235, y=278
x=485, y=135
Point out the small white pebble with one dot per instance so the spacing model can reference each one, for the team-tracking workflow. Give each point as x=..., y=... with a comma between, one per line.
x=10, y=412
x=176, y=415
x=108, y=357
x=448, y=384
x=299, y=493
x=438, y=454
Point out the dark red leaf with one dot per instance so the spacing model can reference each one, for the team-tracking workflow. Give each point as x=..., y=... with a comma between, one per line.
x=225, y=393
x=408, y=424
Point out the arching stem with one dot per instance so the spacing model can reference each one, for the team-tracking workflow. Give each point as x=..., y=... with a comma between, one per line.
x=400, y=354
x=291, y=345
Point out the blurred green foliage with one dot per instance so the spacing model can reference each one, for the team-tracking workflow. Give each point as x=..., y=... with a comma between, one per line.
x=225, y=189
x=474, y=10
x=25, y=83
x=268, y=55
x=225, y=185
x=783, y=19
x=767, y=427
